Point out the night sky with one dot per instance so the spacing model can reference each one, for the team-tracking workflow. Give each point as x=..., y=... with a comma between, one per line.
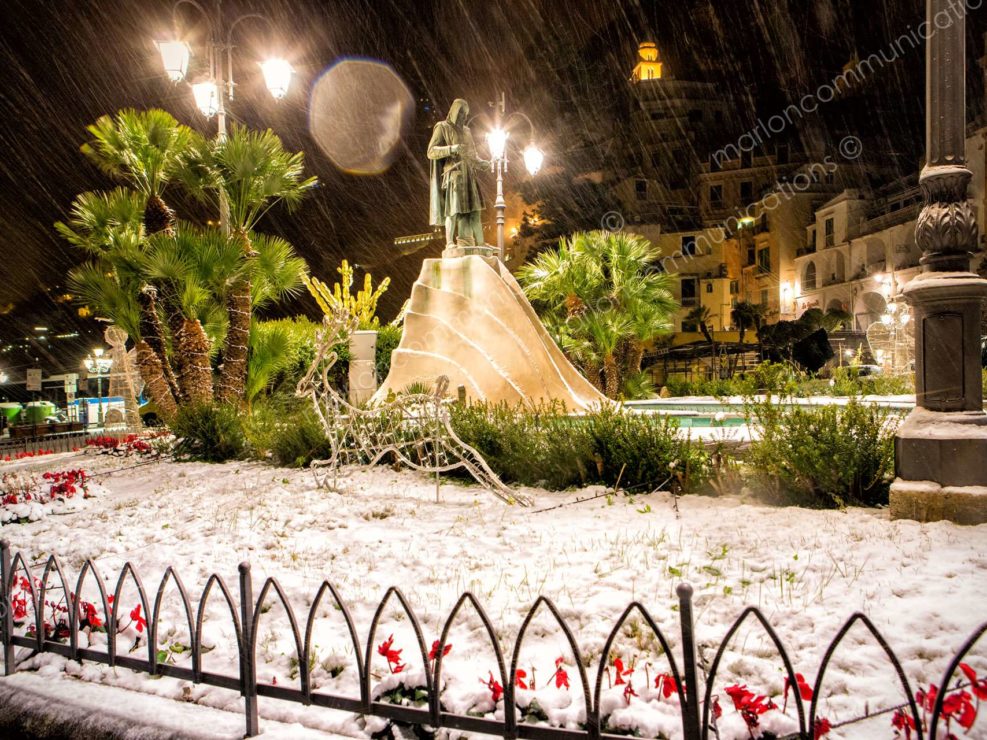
x=564, y=63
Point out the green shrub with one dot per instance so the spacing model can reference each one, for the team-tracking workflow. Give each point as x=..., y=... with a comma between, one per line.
x=287, y=429
x=541, y=447
x=550, y=448
x=209, y=433
x=643, y=450
x=388, y=339
x=824, y=455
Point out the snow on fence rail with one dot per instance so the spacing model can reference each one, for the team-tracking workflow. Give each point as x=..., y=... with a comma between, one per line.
x=698, y=721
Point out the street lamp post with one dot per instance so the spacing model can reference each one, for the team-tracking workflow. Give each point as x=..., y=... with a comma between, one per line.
x=497, y=141
x=213, y=93
x=99, y=365
x=941, y=447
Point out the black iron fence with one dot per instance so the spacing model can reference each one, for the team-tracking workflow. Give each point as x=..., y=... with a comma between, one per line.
x=697, y=707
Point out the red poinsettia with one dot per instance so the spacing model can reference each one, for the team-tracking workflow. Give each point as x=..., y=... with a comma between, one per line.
x=618, y=668
x=561, y=677
x=805, y=691
x=665, y=683
x=138, y=620
x=392, y=656
x=519, y=678
x=496, y=690
x=435, y=650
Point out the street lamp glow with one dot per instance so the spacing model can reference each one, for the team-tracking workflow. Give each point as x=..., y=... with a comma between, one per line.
x=174, y=56
x=533, y=158
x=497, y=143
x=206, y=96
x=277, y=76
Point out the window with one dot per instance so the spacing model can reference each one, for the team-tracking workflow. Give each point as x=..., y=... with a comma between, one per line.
x=764, y=260
x=690, y=292
x=809, y=277
x=715, y=196
x=782, y=154
x=830, y=233
x=764, y=297
x=746, y=192
x=695, y=116
x=709, y=287
x=688, y=326
x=689, y=245
x=734, y=288
x=641, y=189
x=746, y=159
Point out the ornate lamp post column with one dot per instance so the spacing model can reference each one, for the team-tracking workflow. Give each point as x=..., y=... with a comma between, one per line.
x=497, y=144
x=218, y=88
x=98, y=365
x=941, y=448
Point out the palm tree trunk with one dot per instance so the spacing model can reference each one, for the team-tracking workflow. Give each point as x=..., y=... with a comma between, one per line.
x=153, y=335
x=196, y=371
x=191, y=353
x=592, y=372
x=155, y=382
x=635, y=354
x=611, y=372
x=233, y=371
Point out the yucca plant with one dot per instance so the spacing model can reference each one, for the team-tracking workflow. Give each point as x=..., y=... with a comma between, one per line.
x=251, y=172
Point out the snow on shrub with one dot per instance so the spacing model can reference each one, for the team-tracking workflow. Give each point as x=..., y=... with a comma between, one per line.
x=26, y=497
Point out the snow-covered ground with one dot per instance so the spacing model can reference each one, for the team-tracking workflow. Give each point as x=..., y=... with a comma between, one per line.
x=924, y=587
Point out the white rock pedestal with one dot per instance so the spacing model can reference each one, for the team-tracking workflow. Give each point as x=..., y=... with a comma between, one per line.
x=469, y=320
x=363, y=366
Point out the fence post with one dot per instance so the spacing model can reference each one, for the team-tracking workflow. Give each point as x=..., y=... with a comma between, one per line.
x=248, y=671
x=690, y=712
x=6, y=609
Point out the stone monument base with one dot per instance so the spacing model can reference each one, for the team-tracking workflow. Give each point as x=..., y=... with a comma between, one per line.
x=469, y=320
x=927, y=501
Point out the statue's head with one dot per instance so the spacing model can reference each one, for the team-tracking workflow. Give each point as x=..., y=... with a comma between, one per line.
x=458, y=112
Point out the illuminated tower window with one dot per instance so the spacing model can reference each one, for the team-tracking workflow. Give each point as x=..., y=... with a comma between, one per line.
x=648, y=66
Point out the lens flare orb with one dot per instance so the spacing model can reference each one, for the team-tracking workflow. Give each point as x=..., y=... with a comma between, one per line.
x=359, y=113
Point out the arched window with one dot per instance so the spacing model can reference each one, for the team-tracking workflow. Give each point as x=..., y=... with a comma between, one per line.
x=809, y=277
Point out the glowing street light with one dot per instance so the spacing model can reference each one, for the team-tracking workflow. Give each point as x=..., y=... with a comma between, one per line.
x=174, y=57
x=533, y=158
x=497, y=139
x=277, y=76
x=206, y=97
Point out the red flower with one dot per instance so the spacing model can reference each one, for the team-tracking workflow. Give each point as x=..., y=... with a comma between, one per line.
x=435, y=650
x=717, y=709
x=821, y=728
x=805, y=691
x=496, y=690
x=665, y=683
x=135, y=615
x=977, y=686
x=629, y=692
x=618, y=666
x=519, y=679
x=561, y=677
x=903, y=721
x=393, y=656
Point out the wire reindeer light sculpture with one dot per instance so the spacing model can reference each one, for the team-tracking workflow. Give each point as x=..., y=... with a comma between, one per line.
x=415, y=429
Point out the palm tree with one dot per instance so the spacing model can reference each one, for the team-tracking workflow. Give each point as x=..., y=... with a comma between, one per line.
x=107, y=226
x=603, y=300
x=702, y=317
x=146, y=149
x=253, y=172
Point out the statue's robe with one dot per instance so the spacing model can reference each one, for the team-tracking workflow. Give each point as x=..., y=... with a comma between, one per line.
x=453, y=186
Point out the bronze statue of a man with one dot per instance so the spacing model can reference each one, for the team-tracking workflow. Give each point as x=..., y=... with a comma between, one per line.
x=455, y=200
